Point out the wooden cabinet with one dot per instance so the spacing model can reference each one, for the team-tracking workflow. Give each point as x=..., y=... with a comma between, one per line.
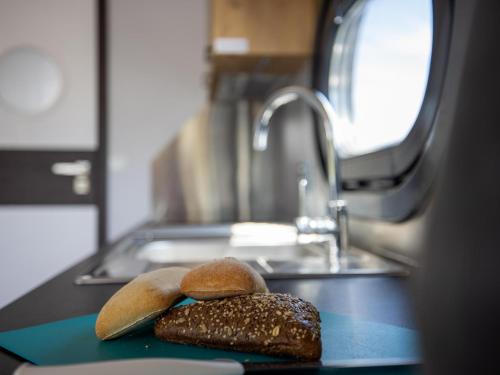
x=263, y=36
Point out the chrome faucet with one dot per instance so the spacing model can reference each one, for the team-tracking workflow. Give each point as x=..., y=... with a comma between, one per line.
x=336, y=208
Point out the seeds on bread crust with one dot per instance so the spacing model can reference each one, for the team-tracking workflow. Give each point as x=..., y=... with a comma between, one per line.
x=276, y=324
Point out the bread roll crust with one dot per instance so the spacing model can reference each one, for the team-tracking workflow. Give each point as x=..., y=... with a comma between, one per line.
x=222, y=278
x=142, y=299
x=275, y=324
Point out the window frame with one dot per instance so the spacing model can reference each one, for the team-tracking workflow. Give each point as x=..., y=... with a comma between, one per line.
x=387, y=184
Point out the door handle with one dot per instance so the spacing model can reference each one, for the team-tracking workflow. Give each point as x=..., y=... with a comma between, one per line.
x=79, y=170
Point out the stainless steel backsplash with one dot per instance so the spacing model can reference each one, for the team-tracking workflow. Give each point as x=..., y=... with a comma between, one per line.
x=210, y=174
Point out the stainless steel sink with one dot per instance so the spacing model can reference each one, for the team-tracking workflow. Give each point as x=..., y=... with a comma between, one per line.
x=275, y=250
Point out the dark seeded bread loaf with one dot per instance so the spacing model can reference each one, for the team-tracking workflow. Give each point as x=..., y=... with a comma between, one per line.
x=274, y=324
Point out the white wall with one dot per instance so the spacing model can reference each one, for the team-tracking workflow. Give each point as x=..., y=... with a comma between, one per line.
x=156, y=83
x=38, y=242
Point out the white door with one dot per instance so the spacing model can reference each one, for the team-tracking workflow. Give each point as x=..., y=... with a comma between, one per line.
x=50, y=180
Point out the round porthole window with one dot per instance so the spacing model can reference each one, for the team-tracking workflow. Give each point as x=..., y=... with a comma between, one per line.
x=378, y=74
x=30, y=81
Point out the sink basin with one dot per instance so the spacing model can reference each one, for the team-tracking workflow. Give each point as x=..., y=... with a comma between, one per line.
x=275, y=250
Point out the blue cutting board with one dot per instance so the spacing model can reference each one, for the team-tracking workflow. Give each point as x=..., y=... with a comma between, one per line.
x=73, y=341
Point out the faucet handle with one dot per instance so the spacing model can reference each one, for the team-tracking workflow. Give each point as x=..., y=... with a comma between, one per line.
x=303, y=187
x=306, y=224
x=303, y=196
x=338, y=210
x=303, y=220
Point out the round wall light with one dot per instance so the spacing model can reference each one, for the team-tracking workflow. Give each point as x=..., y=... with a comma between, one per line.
x=31, y=82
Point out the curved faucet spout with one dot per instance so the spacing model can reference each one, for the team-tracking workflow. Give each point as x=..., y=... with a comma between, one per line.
x=322, y=106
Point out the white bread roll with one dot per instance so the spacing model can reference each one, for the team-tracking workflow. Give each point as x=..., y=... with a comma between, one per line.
x=142, y=299
x=222, y=278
